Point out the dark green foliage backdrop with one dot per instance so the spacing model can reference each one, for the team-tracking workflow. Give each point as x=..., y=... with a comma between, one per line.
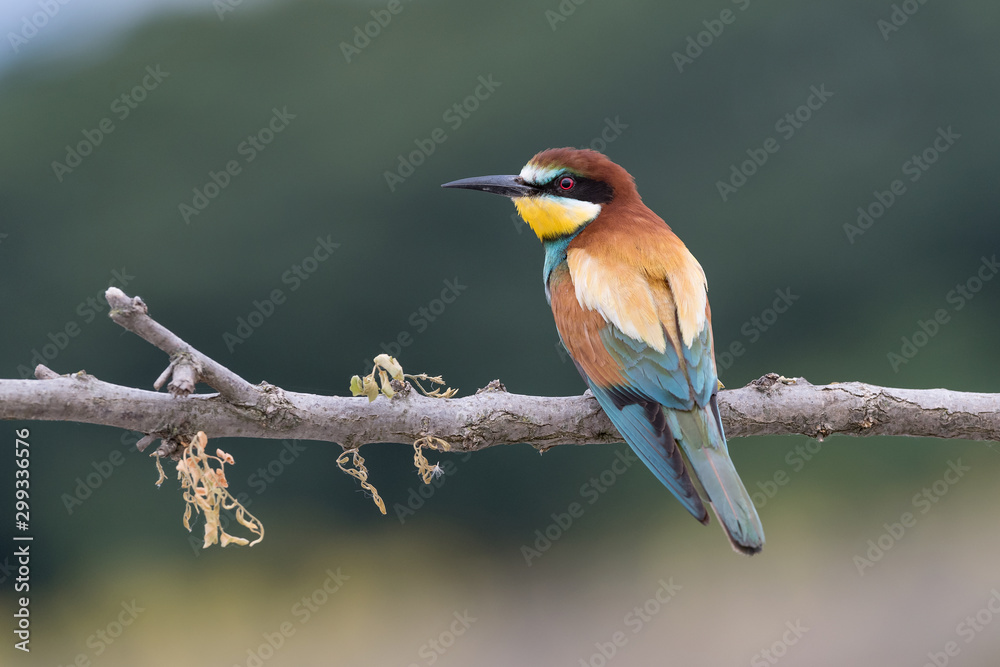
x=608, y=67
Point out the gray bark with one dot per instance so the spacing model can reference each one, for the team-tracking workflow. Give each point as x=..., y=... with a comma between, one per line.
x=772, y=405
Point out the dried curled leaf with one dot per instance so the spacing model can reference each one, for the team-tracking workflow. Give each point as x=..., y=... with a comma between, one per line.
x=388, y=371
x=370, y=387
x=448, y=392
x=387, y=378
x=206, y=492
x=159, y=468
x=360, y=473
x=390, y=365
x=386, y=384
x=427, y=471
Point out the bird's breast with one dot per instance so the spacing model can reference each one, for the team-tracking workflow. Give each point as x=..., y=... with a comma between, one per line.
x=580, y=330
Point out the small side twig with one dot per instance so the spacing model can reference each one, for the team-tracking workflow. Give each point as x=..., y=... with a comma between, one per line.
x=133, y=315
x=185, y=372
x=43, y=372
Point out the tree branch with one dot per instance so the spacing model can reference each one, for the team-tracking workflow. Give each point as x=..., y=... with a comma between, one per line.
x=772, y=405
x=187, y=365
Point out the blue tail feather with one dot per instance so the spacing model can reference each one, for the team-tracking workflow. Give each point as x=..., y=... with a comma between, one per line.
x=699, y=432
x=646, y=431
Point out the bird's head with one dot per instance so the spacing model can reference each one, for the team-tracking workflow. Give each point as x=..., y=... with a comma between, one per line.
x=560, y=190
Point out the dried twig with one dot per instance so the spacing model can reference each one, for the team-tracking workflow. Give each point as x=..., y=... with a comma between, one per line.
x=185, y=362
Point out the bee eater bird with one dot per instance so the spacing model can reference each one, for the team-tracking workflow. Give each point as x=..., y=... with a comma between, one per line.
x=631, y=306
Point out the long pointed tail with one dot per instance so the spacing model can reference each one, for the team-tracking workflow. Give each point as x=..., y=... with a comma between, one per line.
x=703, y=442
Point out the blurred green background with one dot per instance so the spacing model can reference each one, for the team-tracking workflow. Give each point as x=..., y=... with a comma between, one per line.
x=562, y=74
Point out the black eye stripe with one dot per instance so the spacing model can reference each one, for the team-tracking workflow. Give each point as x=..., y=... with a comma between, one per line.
x=584, y=189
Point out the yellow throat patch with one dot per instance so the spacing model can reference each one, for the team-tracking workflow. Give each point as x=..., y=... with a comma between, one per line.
x=551, y=217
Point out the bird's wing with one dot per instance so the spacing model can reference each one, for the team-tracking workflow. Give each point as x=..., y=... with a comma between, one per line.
x=632, y=381
x=652, y=369
x=658, y=346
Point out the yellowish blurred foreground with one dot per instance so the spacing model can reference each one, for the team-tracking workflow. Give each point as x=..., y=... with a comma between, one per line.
x=604, y=593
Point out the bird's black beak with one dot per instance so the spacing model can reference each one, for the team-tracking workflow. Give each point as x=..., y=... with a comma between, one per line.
x=507, y=186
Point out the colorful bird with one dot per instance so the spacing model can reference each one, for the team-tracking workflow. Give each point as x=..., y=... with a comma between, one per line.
x=631, y=307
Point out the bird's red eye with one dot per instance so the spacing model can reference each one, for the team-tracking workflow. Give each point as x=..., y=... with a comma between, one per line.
x=566, y=183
